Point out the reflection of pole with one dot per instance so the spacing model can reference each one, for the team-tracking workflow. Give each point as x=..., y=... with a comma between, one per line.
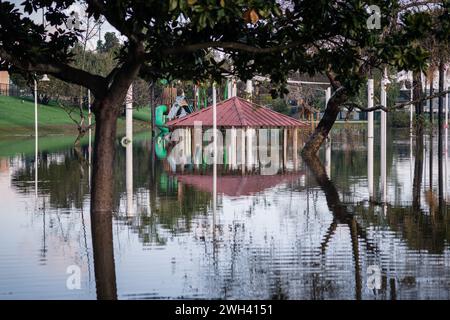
x=90, y=137
x=440, y=123
x=129, y=149
x=384, y=83
x=35, y=140
x=370, y=137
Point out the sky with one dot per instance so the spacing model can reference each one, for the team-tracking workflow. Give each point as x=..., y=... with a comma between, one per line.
x=37, y=17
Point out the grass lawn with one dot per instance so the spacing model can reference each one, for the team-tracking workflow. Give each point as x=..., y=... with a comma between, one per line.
x=17, y=118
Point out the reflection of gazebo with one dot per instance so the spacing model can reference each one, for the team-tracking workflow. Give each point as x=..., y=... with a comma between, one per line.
x=237, y=185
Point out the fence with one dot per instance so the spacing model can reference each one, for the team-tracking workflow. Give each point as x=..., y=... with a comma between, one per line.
x=7, y=89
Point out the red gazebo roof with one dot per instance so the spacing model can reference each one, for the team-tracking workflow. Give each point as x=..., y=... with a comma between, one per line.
x=237, y=112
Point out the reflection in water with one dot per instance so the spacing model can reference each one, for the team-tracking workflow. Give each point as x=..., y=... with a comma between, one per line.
x=293, y=235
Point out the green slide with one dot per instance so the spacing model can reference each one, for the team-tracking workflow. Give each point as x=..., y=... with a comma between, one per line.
x=160, y=147
x=160, y=118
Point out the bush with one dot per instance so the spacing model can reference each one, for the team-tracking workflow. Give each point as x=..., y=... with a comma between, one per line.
x=279, y=105
x=399, y=119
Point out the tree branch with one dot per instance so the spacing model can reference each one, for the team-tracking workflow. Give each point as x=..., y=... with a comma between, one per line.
x=352, y=105
x=229, y=45
x=114, y=20
x=61, y=71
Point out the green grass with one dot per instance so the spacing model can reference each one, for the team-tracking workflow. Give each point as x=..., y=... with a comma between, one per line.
x=12, y=146
x=17, y=118
x=143, y=114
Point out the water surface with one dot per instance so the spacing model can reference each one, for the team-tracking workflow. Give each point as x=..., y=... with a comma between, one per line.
x=283, y=237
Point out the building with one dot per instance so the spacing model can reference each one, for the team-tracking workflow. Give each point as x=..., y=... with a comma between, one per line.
x=4, y=83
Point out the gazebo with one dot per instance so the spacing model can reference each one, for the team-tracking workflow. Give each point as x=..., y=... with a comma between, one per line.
x=237, y=114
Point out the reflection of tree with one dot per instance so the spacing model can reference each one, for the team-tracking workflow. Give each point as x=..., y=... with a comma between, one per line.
x=420, y=231
x=340, y=216
x=61, y=178
x=103, y=250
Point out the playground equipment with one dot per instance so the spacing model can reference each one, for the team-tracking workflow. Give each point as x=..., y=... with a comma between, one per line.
x=160, y=118
x=180, y=108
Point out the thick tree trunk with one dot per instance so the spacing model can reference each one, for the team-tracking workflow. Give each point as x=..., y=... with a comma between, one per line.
x=102, y=199
x=319, y=135
x=103, y=160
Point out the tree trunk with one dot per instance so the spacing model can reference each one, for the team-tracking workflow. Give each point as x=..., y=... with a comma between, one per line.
x=319, y=135
x=418, y=169
x=103, y=161
x=106, y=115
x=417, y=94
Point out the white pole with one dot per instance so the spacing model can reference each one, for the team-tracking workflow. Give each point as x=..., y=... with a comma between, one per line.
x=90, y=137
x=447, y=82
x=249, y=88
x=327, y=96
x=370, y=137
x=215, y=154
x=234, y=87
x=328, y=141
x=35, y=139
x=328, y=157
x=249, y=148
x=243, y=149
x=384, y=83
x=129, y=149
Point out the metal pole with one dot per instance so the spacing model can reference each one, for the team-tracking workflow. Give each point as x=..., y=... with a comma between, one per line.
x=35, y=139
x=447, y=84
x=129, y=149
x=440, y=124
x=370, y=136
x=215, y=154
x=384, y=83
x=411, y=106
x=90, y=136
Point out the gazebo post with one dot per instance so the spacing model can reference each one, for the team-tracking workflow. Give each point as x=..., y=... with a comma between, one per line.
x=249, y=148
x=192, y=145
x=284, y=147
x=295, y=145
x=233, y=147
x=243, y=150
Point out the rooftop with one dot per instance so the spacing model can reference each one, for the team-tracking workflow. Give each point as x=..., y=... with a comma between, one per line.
x=237, y=112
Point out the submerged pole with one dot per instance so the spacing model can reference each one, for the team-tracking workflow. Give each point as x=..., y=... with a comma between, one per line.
x=35, y=140
x=447, y=85
x=370, y=137
x=129, y=149
x=90, y=138
x=214, y=108
x=384, y=83
x=440, y=123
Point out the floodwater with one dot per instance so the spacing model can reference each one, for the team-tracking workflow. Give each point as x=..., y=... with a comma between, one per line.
x=276, y=237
